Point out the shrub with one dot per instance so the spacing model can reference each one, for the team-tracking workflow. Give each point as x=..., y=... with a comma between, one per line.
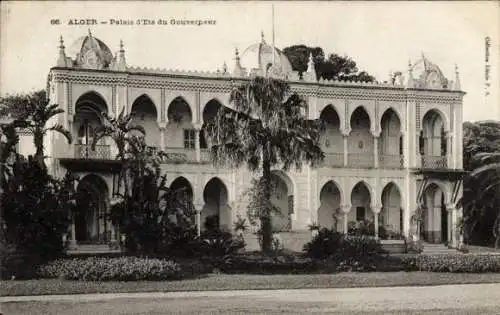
x=111, y=269
x=456, y=263
x=261, y=263
x=325, y=244
x=220, y=244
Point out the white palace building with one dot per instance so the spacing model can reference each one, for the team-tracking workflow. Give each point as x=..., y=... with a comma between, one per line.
x=389, y=147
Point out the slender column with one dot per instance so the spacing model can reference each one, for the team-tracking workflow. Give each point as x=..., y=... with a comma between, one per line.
x=448, y=150
x=197, y=208
x=72, y=241
x=375, y=151
x=418, y=161
x=197, y=144
x=163, y=129
x=452, y=225
x=346, y=153
x=376, y=211
x=345, y=210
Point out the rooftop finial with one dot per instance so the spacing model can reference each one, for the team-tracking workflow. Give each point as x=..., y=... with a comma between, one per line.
x=61, y=61
x=457, y=79
x=224, y=67
x=262, y=36
x=237, y=53
x=121, y=46
x=90, y=33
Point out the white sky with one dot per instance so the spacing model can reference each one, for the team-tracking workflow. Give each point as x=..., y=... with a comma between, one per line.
x=380, y=36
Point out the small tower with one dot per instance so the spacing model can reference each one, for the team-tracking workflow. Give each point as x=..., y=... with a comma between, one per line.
x=238, y=70
x=262, y=37
x=310, y=74
x=457, y=86
x=61, y=60
x=410, y=84
x=122, y=63
x=224, y=68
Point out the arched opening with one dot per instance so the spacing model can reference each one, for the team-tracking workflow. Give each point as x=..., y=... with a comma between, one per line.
x=360, y=142
x=144, y=114
x=432, y=142
x=180, y=133
x=282, y=200
x=209, y=112
x=331, y=139
x=216, y=213
x=91, y=225
x=329, y=212
x=391, y=142
x=435, y=220
x=391, y=215
x=360, y=201
x=88, y=117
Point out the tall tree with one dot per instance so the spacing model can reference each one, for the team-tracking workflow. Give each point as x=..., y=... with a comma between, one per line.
x=331, y=67
x=267, y=129
x=120, y=130
x=481, y=196
x=36, y=112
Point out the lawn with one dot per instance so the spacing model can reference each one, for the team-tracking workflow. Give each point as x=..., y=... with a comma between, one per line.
x=217, y=282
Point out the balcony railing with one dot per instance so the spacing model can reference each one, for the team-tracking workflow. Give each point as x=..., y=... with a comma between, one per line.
x=333, y=160
x=391, y=161
x=84, y=151
x=179, y=155
x=360, y=160
x=429, y=161
x=205, y=155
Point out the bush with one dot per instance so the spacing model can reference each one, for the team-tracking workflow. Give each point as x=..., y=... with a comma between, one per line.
x=455, y=263
x=261, y=263
x=111, y=269
x=220, y=244
x=325, y=244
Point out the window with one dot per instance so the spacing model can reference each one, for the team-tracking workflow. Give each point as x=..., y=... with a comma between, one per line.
x=401, y=145
x=360, y=213
x=189, y=138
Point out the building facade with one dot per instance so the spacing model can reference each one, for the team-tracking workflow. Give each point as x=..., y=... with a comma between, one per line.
x=390, y=148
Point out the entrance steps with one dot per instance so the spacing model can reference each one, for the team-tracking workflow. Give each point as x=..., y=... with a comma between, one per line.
x=434, y=249
x=84, y=249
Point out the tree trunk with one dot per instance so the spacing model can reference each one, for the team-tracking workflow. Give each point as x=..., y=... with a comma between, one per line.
x=266, y=226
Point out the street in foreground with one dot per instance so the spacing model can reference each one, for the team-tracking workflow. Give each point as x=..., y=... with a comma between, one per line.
x=449, y=299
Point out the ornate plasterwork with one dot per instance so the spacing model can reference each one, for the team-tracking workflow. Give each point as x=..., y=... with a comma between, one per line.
x=353, y=91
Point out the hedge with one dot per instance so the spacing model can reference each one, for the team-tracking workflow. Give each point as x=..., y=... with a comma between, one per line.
x=466, y=263
x=111, y=269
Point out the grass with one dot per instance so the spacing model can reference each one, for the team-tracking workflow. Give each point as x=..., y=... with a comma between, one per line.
x=220, y=282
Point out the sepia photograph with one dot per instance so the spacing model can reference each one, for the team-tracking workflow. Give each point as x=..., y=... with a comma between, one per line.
x=249, y=157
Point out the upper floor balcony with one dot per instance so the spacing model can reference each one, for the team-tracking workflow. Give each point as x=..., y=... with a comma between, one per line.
x=358, y=143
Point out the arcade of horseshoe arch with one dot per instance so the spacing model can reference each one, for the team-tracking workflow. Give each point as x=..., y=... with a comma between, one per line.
x=389, y=147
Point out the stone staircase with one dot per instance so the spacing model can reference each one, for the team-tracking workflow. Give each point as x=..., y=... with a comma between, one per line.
x=435, y=249
x=85, y=249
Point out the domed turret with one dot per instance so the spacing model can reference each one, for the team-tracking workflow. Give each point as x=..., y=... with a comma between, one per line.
x=427, y=75
x=262, y=58
x=90, y=52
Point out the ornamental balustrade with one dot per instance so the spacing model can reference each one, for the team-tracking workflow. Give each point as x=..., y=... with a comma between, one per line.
x=179, y=155
x=391, y=161
x=100, y=152
x=429, y=161
x=360, y=160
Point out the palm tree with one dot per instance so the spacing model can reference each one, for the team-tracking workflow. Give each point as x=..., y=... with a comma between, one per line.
x=481, y=197
x=35, y=112
x=119, y=129
x=267, y=128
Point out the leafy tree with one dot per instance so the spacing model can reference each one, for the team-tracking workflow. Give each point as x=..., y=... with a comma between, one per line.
x=152, y=213
x=479, y=137
x=328, y=67
x=35, y=208
x=267, y=129
x=35, y=111
x=481, y=200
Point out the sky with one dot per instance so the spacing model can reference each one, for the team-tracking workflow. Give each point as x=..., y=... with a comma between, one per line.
x=380, y=36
